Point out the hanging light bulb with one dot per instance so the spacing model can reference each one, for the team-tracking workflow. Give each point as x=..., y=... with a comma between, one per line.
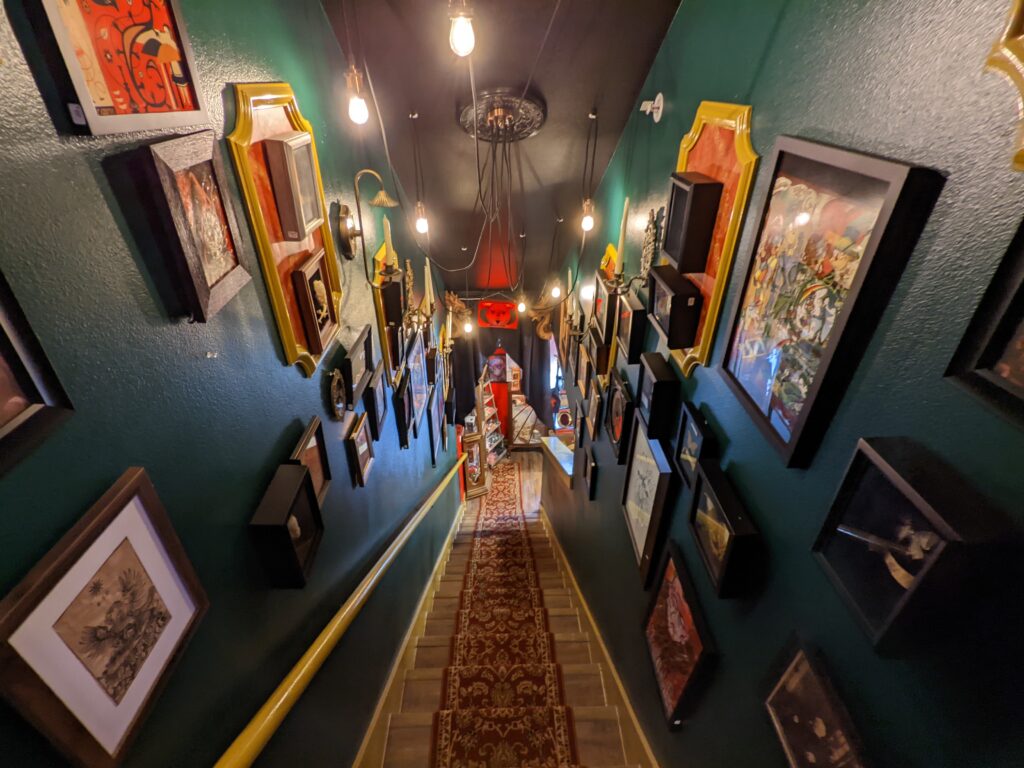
x=556, y=291
x=422, y=225
x=461, y=38
x=588, y=215
x=468, y=327
x=587, y=292
x=521, y=306
x=358, y=112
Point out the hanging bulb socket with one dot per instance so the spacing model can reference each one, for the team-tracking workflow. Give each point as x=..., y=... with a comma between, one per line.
x=422, y=225
x=468, y=327
x=556, y=291
x=587, y=222
x=358, y=112
x=521, y=306
x=461, y=37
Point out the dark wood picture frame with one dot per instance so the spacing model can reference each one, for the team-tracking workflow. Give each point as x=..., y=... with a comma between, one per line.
x=598, y=352
x=594, y=408
x=174, y=156
x=22, y=686
x=288, y=557
x=401, y=398
x=338, y=396
x=619, y=407
x=803, y=667
x=578, y=426
x=911, y=194
x=375, y=401
x=682, y=705
x=434, y=426
x=605, y=310
x=993, y=329
x=583, y=372
x=416, y=372
x=589, y=465
x=694, y=435
x=658, y=398
x=315, y=430
x=690, y=220
x=32, y=377
x=677, y=328
x=318, y=337
x=659, y=514
x=360, y=465
x=734, y=570
x=632, y=327
x=357, y=365
x=910, y=562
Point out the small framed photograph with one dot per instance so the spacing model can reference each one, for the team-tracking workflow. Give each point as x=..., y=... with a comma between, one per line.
x=404, y=411
x=674, y=307
x=293, y=174
x=32, y=401
x=204, y=247
x=584, y=371
x=903, y=540
x=375, y=402
x=435, y=424
x=416, y=372
x=659, y=394
x=678, y=641
x=476, y=474
x=360, y=450
x=649, y=486
x=589, y=465
x=357, y=365
x=693, y=441
x=690, y=220
x=594, y=408
x=619, y=415
x=628, y=372
x=287, y=527
x=578, y=425
x=311, y=452
x=606, y=308
x=810, y=720
x=632, y=327
x=120, y=571
x=316, y=307
x=728, y=542
x=129, y=73
x=598, y=351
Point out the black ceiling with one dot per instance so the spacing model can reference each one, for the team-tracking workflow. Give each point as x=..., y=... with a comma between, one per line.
x=597, y=56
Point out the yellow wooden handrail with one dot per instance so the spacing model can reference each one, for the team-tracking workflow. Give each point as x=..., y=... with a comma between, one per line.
x=254, y=737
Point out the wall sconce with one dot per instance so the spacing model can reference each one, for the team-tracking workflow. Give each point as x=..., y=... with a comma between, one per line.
x=380, y=200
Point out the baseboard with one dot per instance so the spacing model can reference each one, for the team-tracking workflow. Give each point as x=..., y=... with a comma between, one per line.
x=623, y=695
x=417, y=618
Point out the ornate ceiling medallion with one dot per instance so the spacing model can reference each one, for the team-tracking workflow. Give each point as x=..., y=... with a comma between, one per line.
x=504, y=114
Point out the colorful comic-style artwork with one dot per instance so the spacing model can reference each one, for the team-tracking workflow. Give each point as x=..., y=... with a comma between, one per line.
x=130, y=54
x=673, y=640
x=201, y=199
x=817, y=226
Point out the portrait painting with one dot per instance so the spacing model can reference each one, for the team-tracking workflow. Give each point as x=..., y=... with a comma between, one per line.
x=89, y=636
x=678, y=644
x=809, y=719
x=648, y=479
x=311, y=452
x=821, y=228
x=130, y=64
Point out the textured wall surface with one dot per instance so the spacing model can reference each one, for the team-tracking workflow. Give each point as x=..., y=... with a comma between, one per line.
x=904, y=79
x=209, y=410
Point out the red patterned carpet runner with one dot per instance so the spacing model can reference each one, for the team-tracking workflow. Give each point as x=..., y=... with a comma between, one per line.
x=503, y=699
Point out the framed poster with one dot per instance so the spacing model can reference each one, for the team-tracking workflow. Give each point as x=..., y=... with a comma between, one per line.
x=311, y=452
x=834, y=233
x=120, y=571
x=416, y=366
x=810, y=720
x=989, y=362
x=375, y=402
x=677, y=638
x=648, y=488
x=130, y=64
x=32, y=401
x=205, y=244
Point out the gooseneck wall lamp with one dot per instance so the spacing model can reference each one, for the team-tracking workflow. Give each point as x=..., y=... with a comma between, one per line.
x=352, y=227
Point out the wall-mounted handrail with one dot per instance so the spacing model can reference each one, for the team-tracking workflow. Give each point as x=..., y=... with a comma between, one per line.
x=254, y=737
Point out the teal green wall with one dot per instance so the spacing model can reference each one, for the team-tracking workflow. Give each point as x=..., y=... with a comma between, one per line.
x=901, y=78
x=209, y=410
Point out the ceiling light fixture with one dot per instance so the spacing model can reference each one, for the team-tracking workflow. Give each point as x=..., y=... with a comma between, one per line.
x=587, y=222
x=461, y=37
x=589, y=158
x=422, y=225
x=358, y=112
x=521, y=306
x=556, y=291
x=468, y=327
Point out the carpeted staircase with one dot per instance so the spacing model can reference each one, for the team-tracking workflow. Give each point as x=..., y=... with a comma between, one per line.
x=503, y=674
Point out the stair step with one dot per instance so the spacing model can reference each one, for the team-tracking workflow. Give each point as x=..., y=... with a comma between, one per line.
x=560, y=621
x=444, y=605
x=598, y=739
x=435, y=650
x=583, y=684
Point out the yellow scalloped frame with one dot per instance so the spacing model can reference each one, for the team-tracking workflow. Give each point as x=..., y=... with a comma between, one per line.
x=1007, y=58
x=735, y=117
x=250, y=97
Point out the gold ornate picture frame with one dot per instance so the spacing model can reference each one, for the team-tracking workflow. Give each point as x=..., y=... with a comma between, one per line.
x=1007, y=58
x=718, y=145
x=263, y=110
